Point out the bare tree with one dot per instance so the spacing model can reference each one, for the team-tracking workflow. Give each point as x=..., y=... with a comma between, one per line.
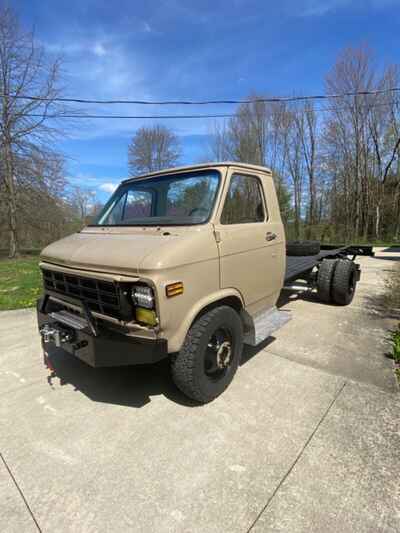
x=256, y=134
x=305, y=121
x=245, y=136
x=83, y=201
x=384, y=127
x=352, y=73
x=153, y=148
x=24, y=70
x=342, y=167
x=362, y=138
x=295, y=163
x=219, y=145
x=44, y=214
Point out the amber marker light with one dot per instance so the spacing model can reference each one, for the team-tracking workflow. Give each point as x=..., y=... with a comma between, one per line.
x=173, y=289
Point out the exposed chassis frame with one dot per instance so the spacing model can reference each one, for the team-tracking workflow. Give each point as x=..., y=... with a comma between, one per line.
x=300, y=267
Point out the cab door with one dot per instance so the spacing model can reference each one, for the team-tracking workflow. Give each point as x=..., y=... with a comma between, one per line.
x=249, y=258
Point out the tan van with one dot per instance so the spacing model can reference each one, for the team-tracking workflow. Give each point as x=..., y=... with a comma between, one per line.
x=186, y=263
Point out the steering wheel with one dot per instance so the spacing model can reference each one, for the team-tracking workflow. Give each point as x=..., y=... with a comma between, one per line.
x=193, y=211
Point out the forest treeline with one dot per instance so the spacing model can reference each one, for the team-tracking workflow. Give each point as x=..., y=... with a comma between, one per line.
x=335, y=162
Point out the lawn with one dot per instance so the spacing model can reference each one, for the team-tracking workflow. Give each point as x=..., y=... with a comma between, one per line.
x=20, y=282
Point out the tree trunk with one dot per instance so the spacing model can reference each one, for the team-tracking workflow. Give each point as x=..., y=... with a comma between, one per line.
x=357, y=200
x=378, y=220
x=396, y=213
x=397, y=229
x=379, y=204
x=311, y=207
x=297, y=203
x=11, y=198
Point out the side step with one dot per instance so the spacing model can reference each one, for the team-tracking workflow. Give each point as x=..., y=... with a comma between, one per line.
x=264, y=324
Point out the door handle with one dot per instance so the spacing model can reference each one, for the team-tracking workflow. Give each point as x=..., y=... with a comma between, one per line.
x=270, y=236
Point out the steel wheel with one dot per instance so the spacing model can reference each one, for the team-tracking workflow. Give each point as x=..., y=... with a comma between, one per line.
x=218, y=354
x=210, y=355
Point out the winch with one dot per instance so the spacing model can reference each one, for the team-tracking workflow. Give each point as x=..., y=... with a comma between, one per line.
x=51, y=333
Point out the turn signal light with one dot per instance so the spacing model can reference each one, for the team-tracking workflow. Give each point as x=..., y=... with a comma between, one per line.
x=173, y=289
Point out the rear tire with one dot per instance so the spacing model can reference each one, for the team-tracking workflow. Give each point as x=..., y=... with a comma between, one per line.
x=344, y=282
x=325, y=279
x=210, y=355
x=301, y=248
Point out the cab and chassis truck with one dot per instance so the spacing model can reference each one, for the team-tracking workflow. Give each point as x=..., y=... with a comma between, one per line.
x=187, y=264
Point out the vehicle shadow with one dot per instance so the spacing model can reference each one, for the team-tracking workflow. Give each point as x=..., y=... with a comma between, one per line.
x=288, y=296
x=131, y=386
x=250, y=351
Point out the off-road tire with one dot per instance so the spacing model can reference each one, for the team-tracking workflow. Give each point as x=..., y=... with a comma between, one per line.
x=325, y=279
x=344, y=282
x=301, y=248
x=187, y=367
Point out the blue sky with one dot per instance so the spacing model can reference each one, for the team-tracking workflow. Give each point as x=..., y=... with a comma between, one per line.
x=177, y=49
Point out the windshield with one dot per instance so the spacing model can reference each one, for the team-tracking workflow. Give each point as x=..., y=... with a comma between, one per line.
x=175, y=199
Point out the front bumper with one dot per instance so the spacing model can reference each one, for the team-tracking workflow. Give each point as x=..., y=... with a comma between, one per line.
x=100, y=348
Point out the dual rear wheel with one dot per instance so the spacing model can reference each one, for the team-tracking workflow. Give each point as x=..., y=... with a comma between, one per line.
x=336, y=281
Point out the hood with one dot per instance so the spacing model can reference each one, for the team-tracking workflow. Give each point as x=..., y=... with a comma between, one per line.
x=132, y=252
x=102, y=252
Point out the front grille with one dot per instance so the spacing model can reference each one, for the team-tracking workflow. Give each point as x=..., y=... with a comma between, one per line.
x=100, y=296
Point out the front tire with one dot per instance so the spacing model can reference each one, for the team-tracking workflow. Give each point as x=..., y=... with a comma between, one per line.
x=210, y=355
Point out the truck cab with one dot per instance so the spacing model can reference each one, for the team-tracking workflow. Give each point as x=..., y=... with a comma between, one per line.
x=186, y=263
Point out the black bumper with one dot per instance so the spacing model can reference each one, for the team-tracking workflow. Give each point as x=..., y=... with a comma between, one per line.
x=107, y=347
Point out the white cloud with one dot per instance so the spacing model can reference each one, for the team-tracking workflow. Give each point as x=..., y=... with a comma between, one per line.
x=316, y=8
x=108, y=187
x=102, y=66
x=147, y=27
x=99, y=50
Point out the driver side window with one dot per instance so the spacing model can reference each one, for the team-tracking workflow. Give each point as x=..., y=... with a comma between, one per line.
x=244, y=201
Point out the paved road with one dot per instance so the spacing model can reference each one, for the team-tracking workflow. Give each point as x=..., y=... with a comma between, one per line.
x=307, y=438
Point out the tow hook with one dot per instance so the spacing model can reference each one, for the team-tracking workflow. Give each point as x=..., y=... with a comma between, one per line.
x=53, y=334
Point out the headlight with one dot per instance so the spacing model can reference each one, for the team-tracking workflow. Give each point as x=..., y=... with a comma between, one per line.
x=143, y=296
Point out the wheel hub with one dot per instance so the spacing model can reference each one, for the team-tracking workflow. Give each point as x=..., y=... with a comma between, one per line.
x=224, y=353
x=219, y=354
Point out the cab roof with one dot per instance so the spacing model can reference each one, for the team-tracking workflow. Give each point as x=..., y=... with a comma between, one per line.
x=202, y=166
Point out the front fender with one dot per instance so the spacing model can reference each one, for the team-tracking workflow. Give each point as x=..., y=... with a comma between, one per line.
x=176, y=340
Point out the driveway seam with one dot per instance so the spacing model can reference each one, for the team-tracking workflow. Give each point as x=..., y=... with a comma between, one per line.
x=297, y=458
x=20, y=492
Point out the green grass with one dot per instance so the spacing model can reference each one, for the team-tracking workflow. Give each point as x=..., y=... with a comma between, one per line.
x=390, y=301
x=395, y=354
x=395, y=342
x=20, y=282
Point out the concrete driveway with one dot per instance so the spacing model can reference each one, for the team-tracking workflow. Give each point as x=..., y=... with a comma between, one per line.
x=307, y=437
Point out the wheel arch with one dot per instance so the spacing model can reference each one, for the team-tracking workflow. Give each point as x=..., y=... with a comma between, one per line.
x=231, y=301
x=229, y=297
